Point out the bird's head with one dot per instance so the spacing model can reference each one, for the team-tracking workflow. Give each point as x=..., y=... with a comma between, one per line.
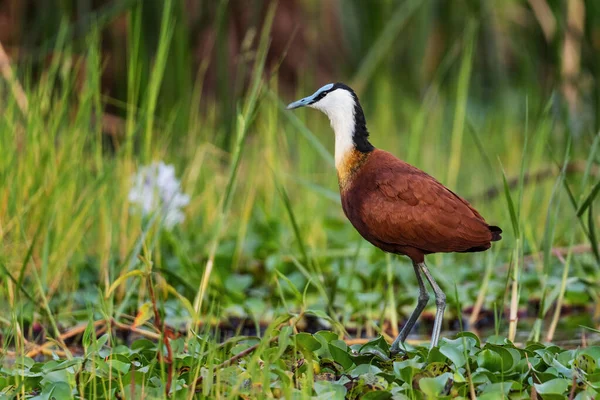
x=339, y=102
x=332, y=99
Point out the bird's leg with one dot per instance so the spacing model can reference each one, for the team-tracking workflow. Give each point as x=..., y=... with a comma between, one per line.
x=421, y=303
x=440, y=302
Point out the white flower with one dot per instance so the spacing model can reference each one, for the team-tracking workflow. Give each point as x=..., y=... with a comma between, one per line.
x=155, y=188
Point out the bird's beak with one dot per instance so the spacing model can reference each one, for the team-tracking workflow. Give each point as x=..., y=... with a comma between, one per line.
x=301, y=103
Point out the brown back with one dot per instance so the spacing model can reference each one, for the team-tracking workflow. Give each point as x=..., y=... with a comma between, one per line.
x=403, y=210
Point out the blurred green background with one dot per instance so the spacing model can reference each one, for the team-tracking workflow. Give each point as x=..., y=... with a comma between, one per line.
x=497, y=99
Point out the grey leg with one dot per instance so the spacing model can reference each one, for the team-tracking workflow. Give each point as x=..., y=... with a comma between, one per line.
x=440, y=302
x=421, y=303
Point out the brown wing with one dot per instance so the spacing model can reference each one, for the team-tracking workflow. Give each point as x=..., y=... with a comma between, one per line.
x=407, y=207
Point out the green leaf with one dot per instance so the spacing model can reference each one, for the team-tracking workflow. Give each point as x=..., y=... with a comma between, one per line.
x=511, y=206
x=290, y=286
x=454, y=354
x=589, y=199
x=592, y=233
x=471, y=337
x=339, y=352
x=237, y=283
x=489, y=360
x=554, y=386
x=377, y=395
x=364, y=369
x=499, y=388
x=122, y=279
x=585, y=363
x=327, y=335
x=407, y=369
x=435, y=387
x=119, y=366
x=330, y=390
x=307, y=341
x=56, y=390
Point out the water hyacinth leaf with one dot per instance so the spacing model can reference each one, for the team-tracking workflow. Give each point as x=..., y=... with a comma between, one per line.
x=468, y=339
x=435, y=356
x=307, y=341
x=377, y=347
x=510, y=356
x=119, y=366
x=330, y=390
x=454, y=354
x=55, y=390
x=436, y=387
x=437, y=368
x=327, y=335
x=407, y=369
x=585, y=363
x=489, y=360
x=498, y=388
x=556, y=386
x=238, y=283
x=377, y=395
x=367, y=372
x=594, y=380
x=340, y=354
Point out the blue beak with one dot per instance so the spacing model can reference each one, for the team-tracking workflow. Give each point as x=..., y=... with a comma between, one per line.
x=310, y=99
x=301, y=103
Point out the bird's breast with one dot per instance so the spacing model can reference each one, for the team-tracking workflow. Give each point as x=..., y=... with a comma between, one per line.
x=349, y=166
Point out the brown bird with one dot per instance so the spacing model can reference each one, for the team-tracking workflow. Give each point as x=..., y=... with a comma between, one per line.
x=395, y=206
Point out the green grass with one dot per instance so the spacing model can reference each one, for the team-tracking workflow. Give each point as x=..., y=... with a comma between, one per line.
x=265, y=240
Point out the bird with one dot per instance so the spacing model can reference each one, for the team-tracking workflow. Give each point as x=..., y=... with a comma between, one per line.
x=394, y=205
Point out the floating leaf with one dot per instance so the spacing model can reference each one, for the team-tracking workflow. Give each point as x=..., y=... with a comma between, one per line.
x=307, y=341
x=436, y=387
x=489, y=360
x=377, y=395
x=407, y=369
x=555, y=386
x=585, y=363
x=454, y=354
x=339, y=352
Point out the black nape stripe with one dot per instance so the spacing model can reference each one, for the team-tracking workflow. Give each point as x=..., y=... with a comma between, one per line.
x=361, y=133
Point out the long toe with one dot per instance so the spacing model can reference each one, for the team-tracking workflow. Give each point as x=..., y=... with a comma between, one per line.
x=396, y=349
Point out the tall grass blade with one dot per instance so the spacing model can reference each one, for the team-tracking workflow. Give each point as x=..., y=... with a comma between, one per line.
x=462, y=94
x=243, y=126
x=549, y=230
x=157, y=74
x=592, y=231
x=384, y=43
x=587, y=202
x=514, y=219
x=295, y=227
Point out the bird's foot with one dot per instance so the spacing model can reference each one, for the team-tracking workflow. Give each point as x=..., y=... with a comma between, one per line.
x=397, y=349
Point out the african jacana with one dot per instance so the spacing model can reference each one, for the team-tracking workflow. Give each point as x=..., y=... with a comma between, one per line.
x=395, y=206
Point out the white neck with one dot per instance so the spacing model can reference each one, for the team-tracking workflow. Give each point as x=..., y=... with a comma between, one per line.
x=339, y=107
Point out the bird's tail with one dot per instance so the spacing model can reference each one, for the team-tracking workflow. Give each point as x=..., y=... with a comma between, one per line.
x=496, y=233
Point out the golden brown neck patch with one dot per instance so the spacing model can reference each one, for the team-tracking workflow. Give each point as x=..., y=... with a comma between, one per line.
x=351, y=163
